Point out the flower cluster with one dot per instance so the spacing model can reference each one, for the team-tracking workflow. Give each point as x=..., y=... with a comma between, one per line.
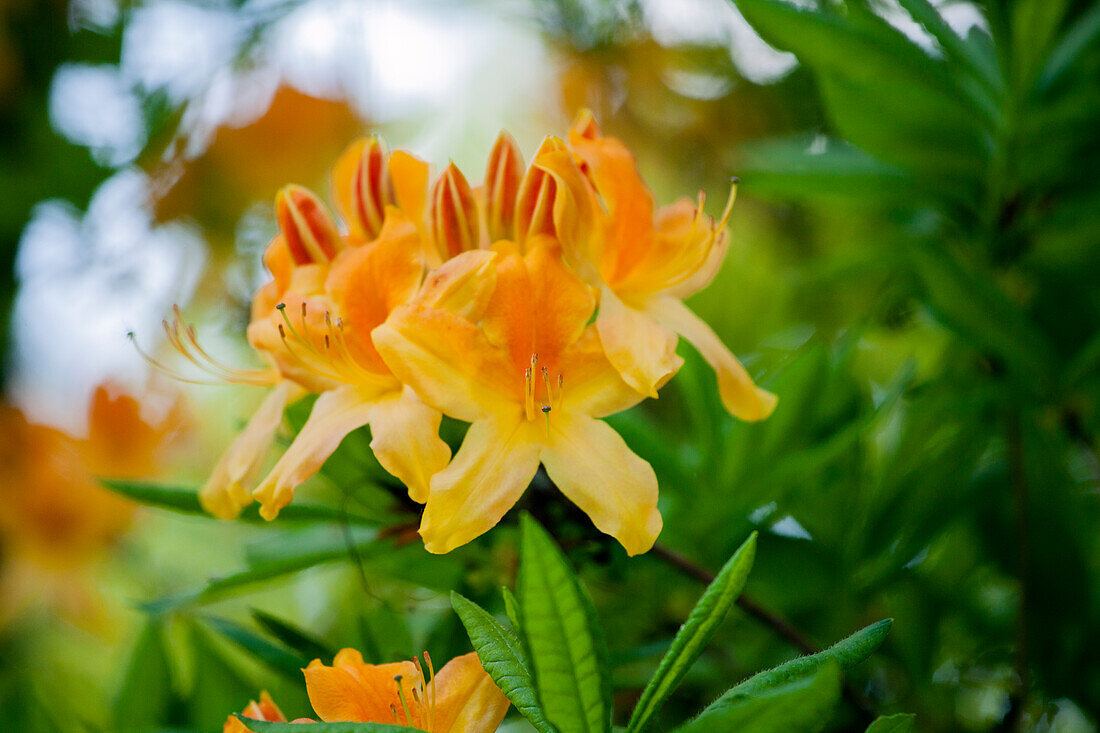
x=530, y=307
x=461, y=697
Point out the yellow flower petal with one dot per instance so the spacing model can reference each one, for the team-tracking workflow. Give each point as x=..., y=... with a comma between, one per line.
x=466, y=698
x=487, y=476
x=598, y=472
x=463, y=285
x=335, y=414
x=643, y=351
x=405, y=440
x=227, y=491
x=741, y=397
x=595, y=387
x=447, y=361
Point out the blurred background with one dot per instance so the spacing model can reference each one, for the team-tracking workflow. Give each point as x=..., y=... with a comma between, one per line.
x=914, y=266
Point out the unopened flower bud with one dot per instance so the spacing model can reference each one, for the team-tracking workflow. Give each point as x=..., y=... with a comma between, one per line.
x=453, y=217
x=311, y=234
x=502, y=179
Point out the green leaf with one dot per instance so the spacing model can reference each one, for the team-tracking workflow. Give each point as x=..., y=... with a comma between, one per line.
x=292, y=636
x=1082, y=34
x=897, y=103
x=846, y=653
x=820, y=168
x=952, y=44
x=803, y=705
x=901, y=723
x=276, y=657
x=703, y=621
x=563, y=637
x=502, y=656
x=146, y=691
x=974, y=307
x=262, y=727
x=511, y=606
x=185, y=500
x=289, y=562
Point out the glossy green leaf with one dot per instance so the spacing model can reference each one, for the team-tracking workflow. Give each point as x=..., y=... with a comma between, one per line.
x=901, y=723
x=802, y=705
x=562, y=636
x=501, y=654
x=701, y=624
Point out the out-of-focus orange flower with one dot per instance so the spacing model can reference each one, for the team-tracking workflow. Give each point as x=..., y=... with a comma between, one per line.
x=531, y=376
x=460, y=698
x=265, y=710
x=644, y=261
x=55, y=517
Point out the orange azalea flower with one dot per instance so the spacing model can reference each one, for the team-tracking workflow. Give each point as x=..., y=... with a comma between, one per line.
x=298, y=259
x=265, y=710
x=461, y=698
x=644, y=262
x=323, y=339
x=529, y=374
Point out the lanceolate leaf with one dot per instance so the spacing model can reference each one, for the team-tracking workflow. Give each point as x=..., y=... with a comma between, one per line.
x=261, y=727
x=292, y=636
x=273, y=655
x=846, y=653
x=185, y=500
x=562, y=636
x=703, y=621
x=266, y=570
x=903, y=723
x=147, y=688
x=501, y=654
x=802, y=705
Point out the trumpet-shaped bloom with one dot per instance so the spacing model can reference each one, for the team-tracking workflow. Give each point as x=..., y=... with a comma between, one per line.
x=326, y=340
x=298, y=259
x=644, y=262
x=532, y=377
x=460, y=698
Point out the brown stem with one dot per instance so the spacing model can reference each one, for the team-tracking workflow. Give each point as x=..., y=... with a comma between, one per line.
x=773, y=621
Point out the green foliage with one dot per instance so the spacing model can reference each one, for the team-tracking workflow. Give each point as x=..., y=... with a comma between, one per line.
x=708, y=613
x=802, y=704
x=901, y=723
x=563, y=637
x=501, y=653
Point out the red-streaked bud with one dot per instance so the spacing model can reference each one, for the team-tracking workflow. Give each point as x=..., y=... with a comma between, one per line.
x=535, y=202
x=453, y=218
x=585, y=126
x=371, y=188
x=310, y=233
x=502, y=178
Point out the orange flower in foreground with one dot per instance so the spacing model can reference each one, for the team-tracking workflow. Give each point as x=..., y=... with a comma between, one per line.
x=644, y=262
x=460, y=698
x=326, y=342
x=531, y=376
